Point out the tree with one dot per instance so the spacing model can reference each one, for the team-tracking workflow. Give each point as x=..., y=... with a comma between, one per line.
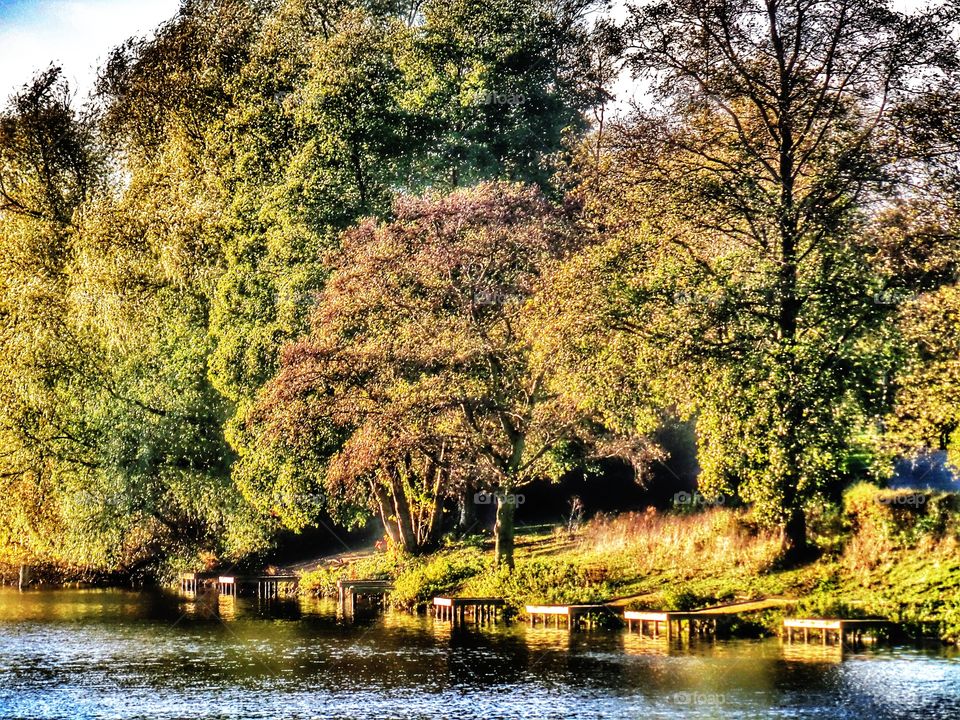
x=365, y=101
x=756, y=170
x=114, y=455
x=926, y=412
x=917, y=247
x=420, y=349
x=496, y=89
x=48, y=169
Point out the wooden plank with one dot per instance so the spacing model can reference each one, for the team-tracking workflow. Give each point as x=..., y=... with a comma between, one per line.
x=646, y=616
x=548, y=609
x=812, y=623
x=361, y=586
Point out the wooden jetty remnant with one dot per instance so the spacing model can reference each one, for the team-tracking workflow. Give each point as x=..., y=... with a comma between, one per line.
x=573, y=616
x=840, y=629
x=261, y=586
x=195, y=582
x=349, y=590
x=227, y=585
x=699, y=623
x=273, y=586
x=456, y=610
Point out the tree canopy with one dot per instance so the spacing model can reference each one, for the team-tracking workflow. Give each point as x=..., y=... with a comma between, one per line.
x=364, y=259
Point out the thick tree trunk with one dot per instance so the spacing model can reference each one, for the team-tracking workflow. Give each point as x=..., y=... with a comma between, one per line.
x=383, y=506
x=408, y=538
x=24, y=579
x=503, y=530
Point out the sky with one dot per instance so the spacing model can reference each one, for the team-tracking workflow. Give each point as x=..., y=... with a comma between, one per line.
x=78, y=34
x=75, y=34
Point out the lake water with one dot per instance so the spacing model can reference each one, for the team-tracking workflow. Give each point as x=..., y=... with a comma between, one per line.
x=114, y=654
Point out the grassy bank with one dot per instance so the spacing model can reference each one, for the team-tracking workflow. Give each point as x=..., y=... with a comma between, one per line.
x=883, y=553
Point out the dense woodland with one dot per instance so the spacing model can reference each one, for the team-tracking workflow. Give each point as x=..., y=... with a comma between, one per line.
x=298, y=259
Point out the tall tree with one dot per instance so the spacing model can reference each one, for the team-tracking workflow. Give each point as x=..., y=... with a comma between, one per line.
x=48, y=169
x=756, y=169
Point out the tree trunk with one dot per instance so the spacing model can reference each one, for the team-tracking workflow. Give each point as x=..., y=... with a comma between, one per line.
x=383, y=506
x=408, y=538
x=794, y=545
x=24, y=579
x=435, y=522
x=468, y=511
x=503, y=530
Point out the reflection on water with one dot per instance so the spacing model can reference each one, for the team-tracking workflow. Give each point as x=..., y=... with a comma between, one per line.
x=111, y=654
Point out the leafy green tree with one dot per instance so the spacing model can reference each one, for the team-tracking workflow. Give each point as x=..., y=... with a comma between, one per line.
x=48, y=169
x=926, y=413
x=497, y=88
x=362, y=105
x=750, y=181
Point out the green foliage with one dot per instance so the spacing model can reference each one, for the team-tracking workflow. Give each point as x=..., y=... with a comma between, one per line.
x=926, y=413
x=684, y=599
x=417, y=584
x=161, y=248
x=902, y=517
x=828, y=606
x=303, y=258
x=740, y=272
x=539, y=582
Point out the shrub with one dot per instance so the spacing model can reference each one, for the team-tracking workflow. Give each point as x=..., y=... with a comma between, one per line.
x=322, y=581
x=421, y=581
x=541, y=582
x=684, y=599
x=824, y=605
x=883, y=521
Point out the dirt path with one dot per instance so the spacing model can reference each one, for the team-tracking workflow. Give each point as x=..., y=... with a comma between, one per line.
x=343, y=558
x=749, y=606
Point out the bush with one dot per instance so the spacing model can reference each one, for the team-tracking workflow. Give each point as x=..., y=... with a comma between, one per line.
x=540, y=582
x=884, y=521
x=824, y=605
x=684, y=599
x=421, y=581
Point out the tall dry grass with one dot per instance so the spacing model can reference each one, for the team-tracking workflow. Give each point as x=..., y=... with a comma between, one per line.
x=713, y=540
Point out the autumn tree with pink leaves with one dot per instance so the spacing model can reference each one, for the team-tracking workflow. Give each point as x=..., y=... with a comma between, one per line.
x=420, y=352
